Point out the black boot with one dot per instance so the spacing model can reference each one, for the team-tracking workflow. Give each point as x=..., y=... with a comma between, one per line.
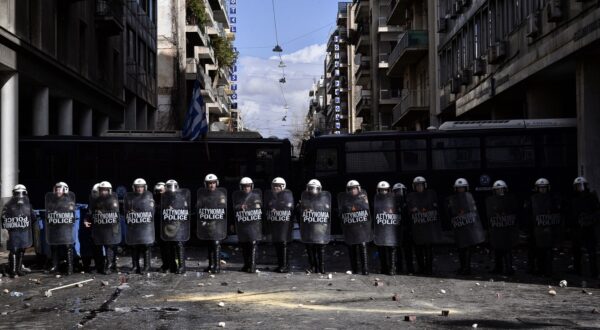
x=165, y=256
x=210, y=257
x=252, y=258
x=576, y=250
x=86, y=263
x=12, y=263
x=147, y=259
x=69, y=260
x=311, y=258
x=420, y=253
x=110, y=260
x=98, y=259
x=383, y=259
x=508, y=264
x=408, y=259
x=135, y=259
x=364, y=258
x=282, y=258
x=320, y=249
x=19, y=265
x=429, y=260
x=468, y=254
x=246, y=247
x=279, y=255
x=180, y=258
x=354, y=263
x=392, y=260
x=216, y=258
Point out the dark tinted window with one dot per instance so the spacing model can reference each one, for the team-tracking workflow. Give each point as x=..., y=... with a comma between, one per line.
x=413, y=154
x=370, y=156
x=456, y=153
x=509, y=151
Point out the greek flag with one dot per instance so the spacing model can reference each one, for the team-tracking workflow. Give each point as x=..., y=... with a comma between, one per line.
x=196, y=123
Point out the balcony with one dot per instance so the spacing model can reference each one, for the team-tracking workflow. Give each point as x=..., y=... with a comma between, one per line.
x=362, y=10
x=411, y=47
x=109, y=17
x=364, y=41
x=398, y=13
x=363, y=102
x=195, y=31
x=363, y=71
x=383, y=25
x=342, y=13
x=216, y=29
x=220, y=13
x=389, y=97
x=384, y=61
x=205, y=54
x=413, y=106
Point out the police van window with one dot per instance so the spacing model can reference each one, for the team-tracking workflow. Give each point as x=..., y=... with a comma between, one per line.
x=413, y=155
x=370, y=156
x=455, y=153
x=509, y=151
x=557, y=149
x=326, y=161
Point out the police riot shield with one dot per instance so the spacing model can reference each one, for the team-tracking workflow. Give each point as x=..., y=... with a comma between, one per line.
x=355, y=216
x=139, y=218
x=423, y=210
x=586, y=210
x=315, y=217
x=502, y=218
x=17, y=218
x=279, y=208
x=465, y=221
x=386, y=220
x=175, y=220
x=106, y=224
x=248, y=215
x=212, y=214
x=60, y=218
x=547, y=228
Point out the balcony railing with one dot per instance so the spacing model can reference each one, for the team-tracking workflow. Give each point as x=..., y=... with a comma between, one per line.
x=412, y=100
x=411, y=47
x=109, y=16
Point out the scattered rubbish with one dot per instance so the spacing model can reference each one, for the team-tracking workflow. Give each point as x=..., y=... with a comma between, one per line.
x=595, y=311
x=49, y=292
x=148, y=296
x=122, y=309
x=552, y=293
x=586, y=292
x=378, y=284
x=257, y=271
x=300, y=305
x=562, y=284
x=221, y=304
x=445, y=312
x=410, y=318
x=57, y=276
x=329, y=276
x=223, y=262
x=583, y=284
x=6, y=291
x=27, y=305
x=224, y=284
x=211, y=276
x=474, y=325
x=442, y=291
x=200, y=284
x=497, y=295
x=104, y=283
x=16, y=294
x=352, y=279
x=477, y=284
x=240, y=291
x=412, y=291
x=348, y=272
x=4, y=313
x=221, y=324
x=396, y=297
x=123, y=286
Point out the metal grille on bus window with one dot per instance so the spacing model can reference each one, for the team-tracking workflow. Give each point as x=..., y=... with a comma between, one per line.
x=456, y=153
x=326, y=161
x=558, y=149
x=413, y=155
x=370, y=156
x=509, y=151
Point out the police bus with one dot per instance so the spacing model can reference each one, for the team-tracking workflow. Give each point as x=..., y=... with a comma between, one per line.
x=516, y=151
x=120, y=158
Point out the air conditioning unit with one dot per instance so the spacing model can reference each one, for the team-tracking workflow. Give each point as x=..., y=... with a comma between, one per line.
x=496, y=52
x=533, y=25
x=479, y=67
x=455, y=84
x=554, y=11
x=466, y=76
x=442, y=24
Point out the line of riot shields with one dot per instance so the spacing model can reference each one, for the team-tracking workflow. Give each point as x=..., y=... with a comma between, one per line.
x=387, y=220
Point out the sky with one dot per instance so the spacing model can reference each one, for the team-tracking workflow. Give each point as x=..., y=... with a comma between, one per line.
x=303, y=27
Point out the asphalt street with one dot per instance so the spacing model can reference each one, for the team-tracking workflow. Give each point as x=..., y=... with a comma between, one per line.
x=300, y=300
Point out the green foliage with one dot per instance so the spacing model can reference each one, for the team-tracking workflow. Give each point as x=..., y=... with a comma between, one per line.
x=224, y=51
x=196, y=8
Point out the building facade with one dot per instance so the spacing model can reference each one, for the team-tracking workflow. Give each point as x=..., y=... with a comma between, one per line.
x=193, y=35
x=73, y=68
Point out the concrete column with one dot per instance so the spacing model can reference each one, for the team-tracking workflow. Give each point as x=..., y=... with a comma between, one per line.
x=151, y=120
x=130, y=111
x=9, y=135
x=65, y=117
x=41, y=112
x=588, y=120
x=142, y=116
x=85, y=122
x=100, y=124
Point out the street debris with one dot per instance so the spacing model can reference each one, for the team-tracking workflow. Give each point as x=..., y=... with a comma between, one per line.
x=49, y=292
x=6, y=291
x=474, y=326
x=348, y=272
x=221, y=304
x=211, y=276
x=410, y=318
x=329, y=276
x=240, y=291
x=563, y=284
x=445, y=312
x=148, y=296
x=552, y=293
x=442, y=291
x=16, y=294
x=396, y=297
x=224, y=284
x=221, y=324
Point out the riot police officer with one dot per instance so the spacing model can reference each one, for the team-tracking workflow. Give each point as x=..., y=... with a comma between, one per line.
x=247, y=205
x=315, y=223
x=387, y=226
x=468, y=230
x=546, y=225
x=106, y=229
x=17, y=217
x=86, y=243
x=211, y=206
x=422, y=205
x=279, y=205
x=502, y=211
x=59, y=224
x=159, y=189
x=356, y=225
x=139, y=218
x=175, y=224
x=406, y=239
x=584, y=223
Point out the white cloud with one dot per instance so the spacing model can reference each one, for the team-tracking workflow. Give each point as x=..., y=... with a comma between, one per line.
x=260, y=100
